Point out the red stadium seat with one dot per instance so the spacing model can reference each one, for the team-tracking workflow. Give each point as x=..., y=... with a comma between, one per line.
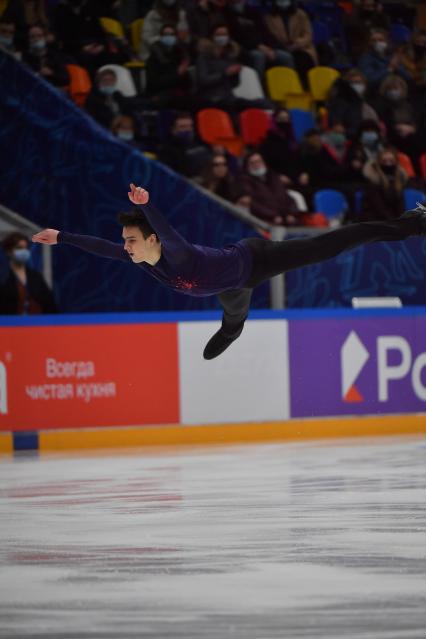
x=80, y=84
x=254, y=125
x=405, y=163
x=423, y=166
x=215, y=127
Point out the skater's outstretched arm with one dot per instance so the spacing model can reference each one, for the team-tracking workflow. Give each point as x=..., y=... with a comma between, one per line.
x=89, y=243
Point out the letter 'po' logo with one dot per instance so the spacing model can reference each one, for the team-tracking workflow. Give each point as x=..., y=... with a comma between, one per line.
x=353, y=358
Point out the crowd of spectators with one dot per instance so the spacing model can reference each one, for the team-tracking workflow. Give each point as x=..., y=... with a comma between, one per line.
x=192, y=53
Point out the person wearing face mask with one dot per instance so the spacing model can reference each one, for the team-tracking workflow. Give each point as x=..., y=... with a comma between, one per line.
x=168, y=78
x=218, y=67
x=366, y=15
x=7, y=39
x=347, y=103
x=380, y=60
x=163, y=12
x=391, y=101
x=105, y=102
x=203, y=16
x=23, y=290
x=384, y=192
x=123, y=127
x=183, y=151
x=44, y=59
x=270, y=199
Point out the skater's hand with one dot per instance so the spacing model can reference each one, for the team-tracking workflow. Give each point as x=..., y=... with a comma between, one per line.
x=138, y=195
x=48, y=236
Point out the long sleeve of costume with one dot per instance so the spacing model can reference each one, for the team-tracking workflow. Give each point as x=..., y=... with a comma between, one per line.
x=174, y=247
x=95, y=245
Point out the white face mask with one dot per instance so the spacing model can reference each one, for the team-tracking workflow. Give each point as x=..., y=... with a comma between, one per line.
x=380, y=47
x=221, y=40
x=358, y=87
x=258, y=172
x=108, y=89
x=125, y=135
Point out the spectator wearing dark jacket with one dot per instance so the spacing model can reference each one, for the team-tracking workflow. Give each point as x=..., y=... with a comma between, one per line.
x=280, y=149
x=104, y=102
x=44, y=59
x=380, y=60
x=384, y=192
x=168, y=79
x=218, y=179
x=347, y=104
x=23, y=290
x=392, y=103
x=269, y=197
x=184, y=152
x=218, y=68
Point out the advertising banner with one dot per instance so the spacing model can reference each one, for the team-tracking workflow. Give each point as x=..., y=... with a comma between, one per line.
x=88, y=375
x=347, y=366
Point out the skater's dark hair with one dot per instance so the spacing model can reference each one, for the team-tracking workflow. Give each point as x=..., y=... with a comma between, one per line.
x=137, y=218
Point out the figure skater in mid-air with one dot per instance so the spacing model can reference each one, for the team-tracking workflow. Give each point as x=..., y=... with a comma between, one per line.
x=231, y=272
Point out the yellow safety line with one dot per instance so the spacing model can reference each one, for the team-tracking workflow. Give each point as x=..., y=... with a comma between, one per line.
x=294, y=430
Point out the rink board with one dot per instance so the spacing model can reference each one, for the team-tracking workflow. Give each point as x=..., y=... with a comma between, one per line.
x=141, y=378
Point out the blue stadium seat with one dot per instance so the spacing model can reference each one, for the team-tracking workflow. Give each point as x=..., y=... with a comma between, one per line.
x=399, y=33
x=411, y=196
x=321, y=32
x=330, y=202
x=302, y=121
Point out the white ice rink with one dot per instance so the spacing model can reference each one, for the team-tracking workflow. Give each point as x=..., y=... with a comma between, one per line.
x=316, y=540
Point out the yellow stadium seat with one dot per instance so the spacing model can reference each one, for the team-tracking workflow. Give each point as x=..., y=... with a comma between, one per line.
x=136, y=34
x=114, y=27
x=284, y=86
x=320, y=81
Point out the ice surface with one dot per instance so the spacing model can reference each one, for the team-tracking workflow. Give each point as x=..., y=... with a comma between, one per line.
x=315, y=540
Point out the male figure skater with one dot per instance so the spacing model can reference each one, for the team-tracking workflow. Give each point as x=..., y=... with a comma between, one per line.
x=231, y=272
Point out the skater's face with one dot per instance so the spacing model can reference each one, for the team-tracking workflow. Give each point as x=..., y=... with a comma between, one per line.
x=139, y=248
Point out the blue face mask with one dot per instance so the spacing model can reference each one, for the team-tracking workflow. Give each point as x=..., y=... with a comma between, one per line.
x=38, y=46
x=107, y=89
x=125, y=135
x=21, y=256
x=369, y=138
x=168, y=40
x=337, y=139
x=6, y=41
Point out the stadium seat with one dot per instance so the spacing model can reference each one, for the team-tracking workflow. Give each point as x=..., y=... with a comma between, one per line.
x=399, y=33
x=249, y=86
x=412, y=196
x=136, y=34
x=254, y=125
x=215, y=127
x=330, y=202
x=284, y=86
x=321, y=32
x=423, y=166
x=80, y=84
x=302, y=121
x=113, y=27
x=405, y=163
x=125, y=83
x=320, y=81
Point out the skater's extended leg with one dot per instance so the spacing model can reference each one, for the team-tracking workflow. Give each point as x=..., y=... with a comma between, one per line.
x=235, y=306
x=272, y=258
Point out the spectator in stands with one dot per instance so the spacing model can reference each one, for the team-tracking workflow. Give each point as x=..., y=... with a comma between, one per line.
x=331, y=166
x=347, y=104
x=270, y=199
x=168, y=78
x=44, y=59
x=413, y=59
x=218, y=68
x=184, y=152
x=124, y=128
x=7, y=39
x=366, y=15
x=289, y=28
x=23, y=290
x=406, y=136
x=380, y=61
x=369, y=140
x=243, y=23
x=77, y=26
x=384, y=192
x=243, y=200
x=163, y=12
x=391, y=102
x=280, y=149
x=204, y=16
x=105, y=102
x=218, y=179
